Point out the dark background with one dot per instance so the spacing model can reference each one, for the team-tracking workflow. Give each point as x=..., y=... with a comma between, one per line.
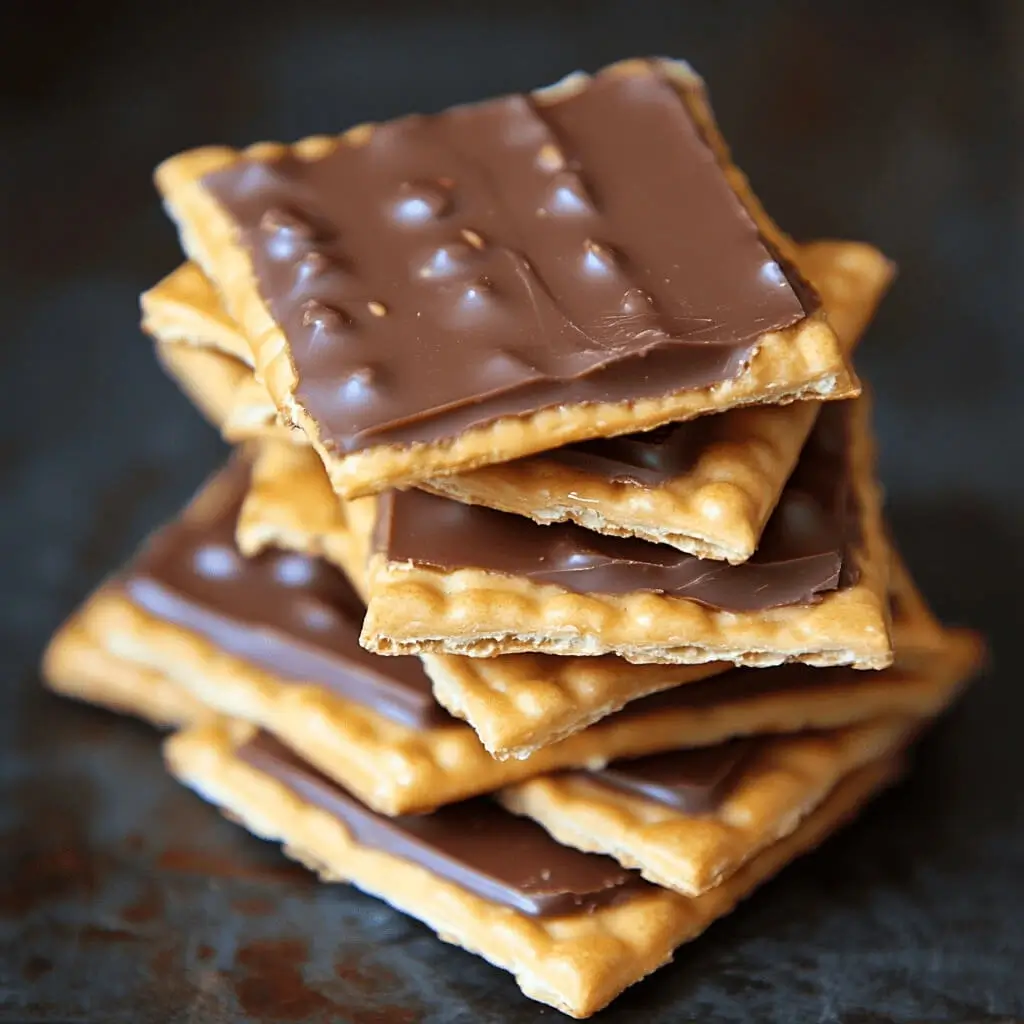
x=123, y=898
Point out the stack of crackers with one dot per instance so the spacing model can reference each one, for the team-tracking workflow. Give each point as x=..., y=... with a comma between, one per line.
x=547, y=593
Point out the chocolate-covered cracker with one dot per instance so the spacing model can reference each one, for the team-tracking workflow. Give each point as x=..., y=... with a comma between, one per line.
x=366, y=721
x=690, y=819
x=577, y=961
x=457, y=579
x=439, y=293
x=706, y=486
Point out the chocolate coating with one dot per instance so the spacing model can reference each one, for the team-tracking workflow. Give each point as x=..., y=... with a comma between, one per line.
x=691, y=781
x=505, y=257
x=476, y=845
x=288, y=613
x=649, y=459
x=801, y=554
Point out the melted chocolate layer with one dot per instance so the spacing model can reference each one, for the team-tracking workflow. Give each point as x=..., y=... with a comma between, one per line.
x=647, y=459
x=801, y=554
x=505, y=257
x=291, y=614
x=691, y=781
x=476, y=844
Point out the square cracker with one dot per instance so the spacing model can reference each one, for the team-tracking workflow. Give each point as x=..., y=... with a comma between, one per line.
x=717, y=508
x=395, y=768
x=803, y=361
x=780, y=780
x=719, y=505
x=516, y=703
x=416, y=608
x=577, y=963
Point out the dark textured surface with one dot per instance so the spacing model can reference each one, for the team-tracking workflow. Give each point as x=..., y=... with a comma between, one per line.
x=125, y=899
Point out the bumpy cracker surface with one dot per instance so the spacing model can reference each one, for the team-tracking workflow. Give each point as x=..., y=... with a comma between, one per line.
x=416, y=609
x=76, y=664
x=517, y=703
x=397, y=769
x=576, y=963
x=719, y=506
x=290, y=505
x=780, y=782
x=804, y=361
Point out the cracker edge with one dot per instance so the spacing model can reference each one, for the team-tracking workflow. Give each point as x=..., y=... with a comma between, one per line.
x=719, y=507
x=802, y=362
x=577, y=964
x=415, y=609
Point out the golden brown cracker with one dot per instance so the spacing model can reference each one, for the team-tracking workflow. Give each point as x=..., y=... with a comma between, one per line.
x=576, y=963
x=719, y=506
x=804, y=361
x=76, y=664
x=419, y=609
x=395, y=768
x=780, y=781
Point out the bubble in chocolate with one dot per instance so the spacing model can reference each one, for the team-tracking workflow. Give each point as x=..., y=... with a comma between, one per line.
x=315, y=616
x=324, y=318
x=294, y=570
x=420, y=202
x=477, y=296
x=598, y=260
x=312, y=266
x=636, y=302
x=772, y=273
x=360, y=386
x=289, y=233
x=565, y=197
x=504, y=363
x=447, y=261
x=217, y=562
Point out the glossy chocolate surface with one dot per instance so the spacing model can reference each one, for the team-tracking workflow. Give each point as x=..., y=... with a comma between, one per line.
x=294, y=615
x=648, y=459
x=802, y=553
x=507, y=256
x=477, y=845
x=690, y=781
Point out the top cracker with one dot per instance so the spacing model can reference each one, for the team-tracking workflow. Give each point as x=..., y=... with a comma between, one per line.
x=439, y=293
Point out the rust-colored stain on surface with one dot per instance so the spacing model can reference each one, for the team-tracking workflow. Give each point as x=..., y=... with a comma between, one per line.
x=35, y=967
x=269, y=983
x=202, y=862
x=147, y=907
x=46, y=877
x=254, y=906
